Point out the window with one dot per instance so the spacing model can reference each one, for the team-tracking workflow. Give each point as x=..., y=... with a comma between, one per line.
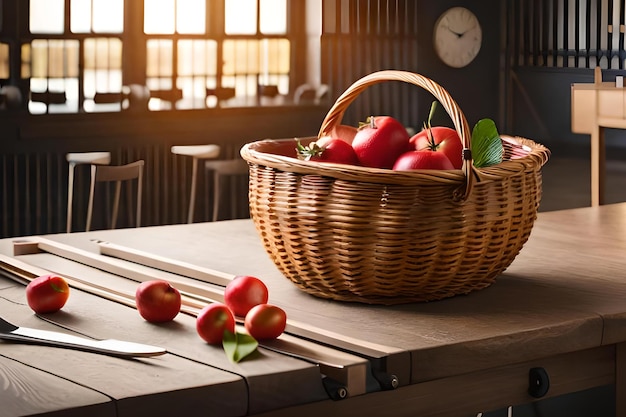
x=198, y=53
x=183, y=71
x=67, y=72
x=4, y=61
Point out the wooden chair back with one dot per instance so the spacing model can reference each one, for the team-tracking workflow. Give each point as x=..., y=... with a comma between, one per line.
x=117, y=174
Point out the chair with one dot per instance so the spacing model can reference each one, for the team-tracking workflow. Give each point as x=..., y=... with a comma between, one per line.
x=225, y=168
x=77, y=158
x=117, y=174
x=197, y=152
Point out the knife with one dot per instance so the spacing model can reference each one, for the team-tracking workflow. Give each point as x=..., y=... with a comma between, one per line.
x=9, y=331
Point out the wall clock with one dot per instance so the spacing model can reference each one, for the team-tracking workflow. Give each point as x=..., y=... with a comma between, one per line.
x=457, y=37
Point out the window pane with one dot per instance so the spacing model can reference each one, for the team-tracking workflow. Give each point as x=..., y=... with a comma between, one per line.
x=4, y=61
x=240, y=17
x=273, y=16
x=159, y=58
x=241, y=57
x=26, y=61
x=47, y=16
x=108, y=16
x=80, y=16
x=276, y=55
x=159, y=16
x=53, y=58
x=103, y=66
x=197, y=57
x=190, y=16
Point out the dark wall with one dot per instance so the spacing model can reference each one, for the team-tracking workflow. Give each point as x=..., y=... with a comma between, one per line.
x=476, y=88
x=542, y=108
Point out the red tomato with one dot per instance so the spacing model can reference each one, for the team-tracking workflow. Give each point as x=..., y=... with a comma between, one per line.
x=422, y=160
x=212, y=321
x=329, y=149
x=265, y=322
x=445, y=140
x=157, y=301
x=243, y=293
x=47, y=294
x=380, y=141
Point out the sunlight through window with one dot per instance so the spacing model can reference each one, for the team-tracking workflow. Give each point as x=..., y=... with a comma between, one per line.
x=159, y=16
x=273, y=17
x=240, y=17
x=47, y=16
x=98, y=16
x=4, y=61
x=190, y=16
x=189, y=61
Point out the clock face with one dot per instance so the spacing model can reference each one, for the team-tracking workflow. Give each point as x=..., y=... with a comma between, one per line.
x=457, y=37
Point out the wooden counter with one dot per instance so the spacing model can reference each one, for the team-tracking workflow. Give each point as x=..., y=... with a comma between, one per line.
x=560, y=306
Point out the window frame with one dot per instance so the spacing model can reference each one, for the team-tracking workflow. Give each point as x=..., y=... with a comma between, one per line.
x=134, y=55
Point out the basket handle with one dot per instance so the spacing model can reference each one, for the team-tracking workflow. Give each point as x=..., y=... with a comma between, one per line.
x=336, y=112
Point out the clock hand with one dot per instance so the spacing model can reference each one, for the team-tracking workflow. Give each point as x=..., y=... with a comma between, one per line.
x=458, y=34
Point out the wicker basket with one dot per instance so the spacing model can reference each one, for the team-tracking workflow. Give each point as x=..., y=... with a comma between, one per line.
x=386, y=237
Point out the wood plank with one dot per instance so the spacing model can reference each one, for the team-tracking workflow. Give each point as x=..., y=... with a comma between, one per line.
x=220, y=278
x=137, y=386
x=350, y=370
x=209, y=381
x=390, y=363
x=27, y=391
x=166, y=264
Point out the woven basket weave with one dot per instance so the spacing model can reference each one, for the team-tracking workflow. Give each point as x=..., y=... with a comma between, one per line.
x=386, y=237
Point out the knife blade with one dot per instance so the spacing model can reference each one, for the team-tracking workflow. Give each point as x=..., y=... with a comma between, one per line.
x=111, y=347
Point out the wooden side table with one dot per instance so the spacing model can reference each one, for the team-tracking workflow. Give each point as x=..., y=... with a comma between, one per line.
x=595, y=107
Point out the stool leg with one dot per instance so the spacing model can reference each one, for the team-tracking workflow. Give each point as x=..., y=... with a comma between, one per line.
x=192, y=195
x=139, y=194
x=116, y=203
x=70, y=196
x=216, y=194
x=92, y=189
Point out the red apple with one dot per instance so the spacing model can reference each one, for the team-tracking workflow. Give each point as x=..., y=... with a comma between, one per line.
x=157, y=301
x=265, y=322
x=213, y=320
x=47, y=294
x=243, y=293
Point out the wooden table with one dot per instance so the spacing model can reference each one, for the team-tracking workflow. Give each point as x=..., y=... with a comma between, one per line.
x=596, y=107
x=561, y=306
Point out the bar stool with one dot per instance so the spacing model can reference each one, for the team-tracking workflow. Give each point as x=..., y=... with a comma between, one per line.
x=197, y=152
x=77, y=158
x=225, y=168
x=117, y=174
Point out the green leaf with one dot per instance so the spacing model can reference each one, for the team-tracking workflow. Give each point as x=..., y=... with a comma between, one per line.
x=238, y=345
x=487, y=146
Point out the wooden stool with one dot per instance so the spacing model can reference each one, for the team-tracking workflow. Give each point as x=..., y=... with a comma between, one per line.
x=225, y=168
x=196, y=152
x=77, y=158
x=117, y=174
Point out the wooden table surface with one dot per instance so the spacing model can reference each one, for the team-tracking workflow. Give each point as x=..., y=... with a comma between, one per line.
x=560, y=306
